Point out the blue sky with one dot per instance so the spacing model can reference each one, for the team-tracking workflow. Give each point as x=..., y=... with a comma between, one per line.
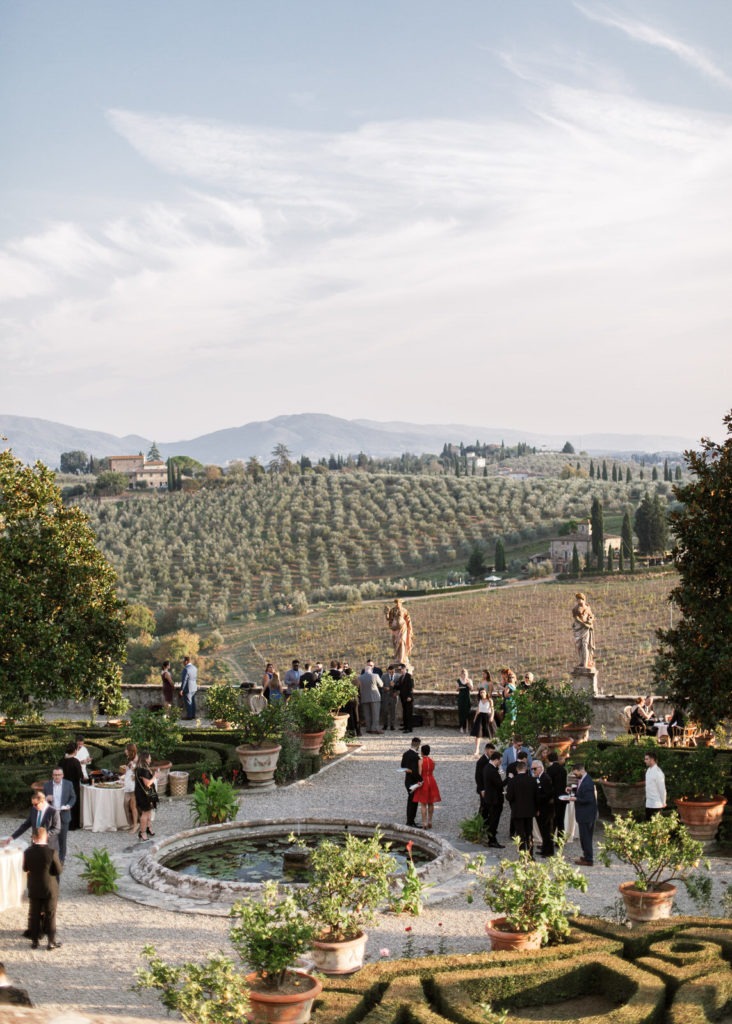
x=486, y=212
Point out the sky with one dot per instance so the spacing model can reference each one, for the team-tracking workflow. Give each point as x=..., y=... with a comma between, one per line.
x=507, y=214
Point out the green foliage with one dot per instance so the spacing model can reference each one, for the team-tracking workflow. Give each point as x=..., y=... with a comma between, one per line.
x=139, y=620
x=214, y=992
x=334, y=694
x=651, y=525
x=617, y=762
x=658, y=851
x=214, y=802
x=223, y=703
x=597, y=522
x=473, y=829
x=263, y=728
x=305, y=712
x=289, y=760
x=349, y=882
x=99, y=872
x=74, y=462
x=110, y=483
x=532, y=895
x=697, y=774
x=62, y=633
x=543, y=709
x=156, y=731
x=270, y=934
x=476, y=567
x=695, y=656
x=409, y=900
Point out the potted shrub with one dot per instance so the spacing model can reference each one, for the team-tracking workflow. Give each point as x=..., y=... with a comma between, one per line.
x=660, y=851
x=100, y=873
x=223, y=706
x=269, y=935
x=214, y=992
x=214, y=802
x=697, y=780
x=578, y=712
x=335, y=694
x=539, y=713
x=160, y=733
x=529, y=898
x=620, y=769
x=260, y=733
x=308, y=716
x=349, y=882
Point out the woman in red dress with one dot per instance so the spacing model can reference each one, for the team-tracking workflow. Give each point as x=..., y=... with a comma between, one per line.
x=428, y=793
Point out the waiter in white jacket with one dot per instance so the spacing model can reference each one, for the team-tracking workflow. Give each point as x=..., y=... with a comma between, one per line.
x=655, y=786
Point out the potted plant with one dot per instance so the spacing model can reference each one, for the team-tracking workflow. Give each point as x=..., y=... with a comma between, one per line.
x=214, y=802
x=223, y=706
x=214, y=992
x=578, y=712
x=160, y=733
x=620, y=769
x=660, y=851
x=100, y=873
x=349, y=882
x=260, y=733
x=269, y=935
x=308, y=716
x=529, y=898
x=335, y=694
x=539, y=713
x=697, y=780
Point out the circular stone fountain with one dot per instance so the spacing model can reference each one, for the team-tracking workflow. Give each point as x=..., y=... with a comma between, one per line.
x=443, y=862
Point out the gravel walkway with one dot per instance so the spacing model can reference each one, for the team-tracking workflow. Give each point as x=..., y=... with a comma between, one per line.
x=102, y=936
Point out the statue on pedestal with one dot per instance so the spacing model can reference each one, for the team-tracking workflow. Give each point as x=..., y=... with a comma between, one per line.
x=583, y=629
x=400, y=624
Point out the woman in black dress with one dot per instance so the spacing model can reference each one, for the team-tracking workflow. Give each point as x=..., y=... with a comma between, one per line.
x=145, y=792
x=71, y=767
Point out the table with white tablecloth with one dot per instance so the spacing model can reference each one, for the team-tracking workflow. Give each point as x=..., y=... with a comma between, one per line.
x=12, y=879
x=570, y=826
x=102, y=809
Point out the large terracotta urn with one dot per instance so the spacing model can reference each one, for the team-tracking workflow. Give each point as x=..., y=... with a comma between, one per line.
x=701, y=817
x=311, y=742
x=277, y=1006
x=344, y=957
x=259, y=765
x=647, y=905
x=502, y=938
x=624, y=796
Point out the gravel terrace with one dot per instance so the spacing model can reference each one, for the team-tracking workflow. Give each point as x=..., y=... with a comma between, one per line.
x=102, y=936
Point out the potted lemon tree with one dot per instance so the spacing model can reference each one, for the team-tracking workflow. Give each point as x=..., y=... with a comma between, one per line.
x=698, y=779
x=260, y=733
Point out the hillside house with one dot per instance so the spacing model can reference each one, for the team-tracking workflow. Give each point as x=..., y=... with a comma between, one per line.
x=560, y=548
x=144, y=474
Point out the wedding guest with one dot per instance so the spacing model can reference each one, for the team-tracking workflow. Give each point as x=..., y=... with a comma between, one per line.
x=69, y=765
x=464, y=689
x=428, y=793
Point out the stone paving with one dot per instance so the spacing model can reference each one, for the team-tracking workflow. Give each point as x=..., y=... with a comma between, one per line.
x=102, y=936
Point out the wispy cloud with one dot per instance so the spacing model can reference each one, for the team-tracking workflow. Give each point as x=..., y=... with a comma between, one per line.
x=642, y=32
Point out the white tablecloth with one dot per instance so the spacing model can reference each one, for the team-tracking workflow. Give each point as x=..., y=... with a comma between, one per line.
x=12, y=880
x=570, y=827
x=103, y=810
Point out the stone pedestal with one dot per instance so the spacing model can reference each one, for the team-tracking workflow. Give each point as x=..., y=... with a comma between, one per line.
x=584, y=680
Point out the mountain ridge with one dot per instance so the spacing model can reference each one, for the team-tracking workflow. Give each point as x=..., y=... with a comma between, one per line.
x=315, y=435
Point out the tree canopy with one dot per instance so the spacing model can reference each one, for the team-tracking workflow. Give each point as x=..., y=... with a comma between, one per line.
x=695, y=656
x=62, y=628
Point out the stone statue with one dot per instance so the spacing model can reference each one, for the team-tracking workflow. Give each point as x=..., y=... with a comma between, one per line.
x=583, y=629
x=400, y=625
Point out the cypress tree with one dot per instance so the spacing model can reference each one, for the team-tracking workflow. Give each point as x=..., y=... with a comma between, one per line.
x=677, y=473
x=626, y=533
x=654, y=473
x=609, y=558
x=500, y=556
x=628, y=475
x=604, y=470
x=575, y=560
x=597, y=526
x=592, y=470
x=621, y=566
x=614, y=473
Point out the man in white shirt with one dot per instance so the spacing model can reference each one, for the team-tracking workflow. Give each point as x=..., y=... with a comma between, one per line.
x=655, y=786
x=82, y=756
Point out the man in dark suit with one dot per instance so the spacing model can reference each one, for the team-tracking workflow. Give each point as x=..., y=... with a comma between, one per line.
x=44, y=870
x=42, y=815
x=491, y=797
x=558, y=774
x=410, y=762
x=60, y=794
x=521, y=794
x=406, y=696
x=545, y=808
x=585, y=810
x=480, y=766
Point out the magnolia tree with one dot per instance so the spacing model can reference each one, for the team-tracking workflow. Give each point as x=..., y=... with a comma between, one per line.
x=62, y=627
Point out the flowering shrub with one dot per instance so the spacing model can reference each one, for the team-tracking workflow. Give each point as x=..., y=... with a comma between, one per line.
x=214, y=802
x=409, y=900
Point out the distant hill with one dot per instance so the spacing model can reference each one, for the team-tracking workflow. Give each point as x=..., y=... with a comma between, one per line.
x=311, y=434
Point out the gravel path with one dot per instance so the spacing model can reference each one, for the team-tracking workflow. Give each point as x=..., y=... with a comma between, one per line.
x=102, y=936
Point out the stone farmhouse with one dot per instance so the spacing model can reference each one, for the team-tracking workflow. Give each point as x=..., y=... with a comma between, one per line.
x=560, y=548
x=153, y=474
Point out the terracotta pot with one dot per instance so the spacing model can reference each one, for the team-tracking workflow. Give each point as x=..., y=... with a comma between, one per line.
x=311, y=742
x=221, y=723
x=647, y=906
x=701, y=817
x=283, y=1007
x=163, y=768
x=577, y=733
x=341, y=725
x=558, y=743
x=344, y=957
x=259, y=765
x=624, y=796
x=504, y=939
